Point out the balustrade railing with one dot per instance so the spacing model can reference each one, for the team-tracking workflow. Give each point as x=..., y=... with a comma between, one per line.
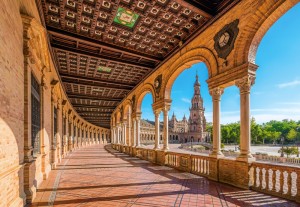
x=275, y=179
x=281, y=181
x=200, y=165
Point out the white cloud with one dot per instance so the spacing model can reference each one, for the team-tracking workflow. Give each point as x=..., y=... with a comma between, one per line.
x=289, y=84
x=290, y=103
x=186, y=100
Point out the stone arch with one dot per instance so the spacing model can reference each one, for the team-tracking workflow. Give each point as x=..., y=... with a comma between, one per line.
x=267, y=13
x=127, y=108
x=185, y=61
x=148, y=88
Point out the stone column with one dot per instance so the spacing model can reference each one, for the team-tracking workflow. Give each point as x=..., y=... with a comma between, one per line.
x=134, y=132
x=138, y=131
x=84, y=137
x=71, y=134
x=59, y=136
x=129, y=130
x=66, y=135
x=157, y=145
x=115, y=135
x=124, y=133
x=118, y=134
x=112, y=135
x=166, y=128
x=79, y=136
x=216, y=96
x=244, y=85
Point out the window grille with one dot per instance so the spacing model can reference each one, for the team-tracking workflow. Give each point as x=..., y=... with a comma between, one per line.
x=35, y=115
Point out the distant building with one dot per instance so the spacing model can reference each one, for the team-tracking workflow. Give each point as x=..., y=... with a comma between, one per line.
x=181, y=131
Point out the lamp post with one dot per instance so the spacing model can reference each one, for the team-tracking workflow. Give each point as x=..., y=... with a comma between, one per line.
x=282, y=140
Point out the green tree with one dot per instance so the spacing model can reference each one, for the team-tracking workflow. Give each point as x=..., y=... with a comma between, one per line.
x=292, y=135
x=289, y=151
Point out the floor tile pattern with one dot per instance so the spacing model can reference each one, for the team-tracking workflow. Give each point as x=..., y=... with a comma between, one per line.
x=100, y=176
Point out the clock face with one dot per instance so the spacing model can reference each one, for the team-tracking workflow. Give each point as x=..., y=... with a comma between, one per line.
x=224, y=39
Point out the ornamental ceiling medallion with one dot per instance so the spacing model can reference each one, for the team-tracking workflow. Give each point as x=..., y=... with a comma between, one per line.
x=104, y=69
x=126, y=17
x=225, y=38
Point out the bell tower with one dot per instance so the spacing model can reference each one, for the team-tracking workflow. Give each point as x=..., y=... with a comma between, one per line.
x=197, y=119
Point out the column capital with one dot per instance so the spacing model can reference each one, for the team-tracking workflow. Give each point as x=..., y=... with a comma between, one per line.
x=157, y=112
x=216, y=93
x=245, y=83
x=137, y=115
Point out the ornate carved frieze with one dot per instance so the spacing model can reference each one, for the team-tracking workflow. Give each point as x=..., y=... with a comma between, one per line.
x=225, y=38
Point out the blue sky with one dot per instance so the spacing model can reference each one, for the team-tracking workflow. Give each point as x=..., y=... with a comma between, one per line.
x=276, y=92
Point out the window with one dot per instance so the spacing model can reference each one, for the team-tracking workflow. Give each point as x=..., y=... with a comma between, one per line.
x=35, y=115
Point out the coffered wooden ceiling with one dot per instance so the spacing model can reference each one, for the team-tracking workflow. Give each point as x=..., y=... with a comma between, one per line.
x=103, y=49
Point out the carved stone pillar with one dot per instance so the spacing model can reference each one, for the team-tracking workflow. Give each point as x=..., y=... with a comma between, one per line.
x=118, y=134
x=59, y=134
x=244, y=85
x=54, y=129
x=216, y=96
x=166, y=128
x=138, y=130
x=66, y=136
x=124, y=133
x=84, y=137
x=129, y=130
x=134, y=132
x=157, y=145
x=71, y=134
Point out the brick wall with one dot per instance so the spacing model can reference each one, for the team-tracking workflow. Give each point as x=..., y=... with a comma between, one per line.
x=12, y=109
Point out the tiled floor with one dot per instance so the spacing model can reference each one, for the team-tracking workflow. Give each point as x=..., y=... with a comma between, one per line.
x=94, y=176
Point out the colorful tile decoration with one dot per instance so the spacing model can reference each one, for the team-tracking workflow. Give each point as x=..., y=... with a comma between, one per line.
x=104, y=69
x=126, y=17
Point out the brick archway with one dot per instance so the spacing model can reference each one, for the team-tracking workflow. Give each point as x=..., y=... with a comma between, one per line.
x=148, y=88
x=186, y=61
x=257, y=25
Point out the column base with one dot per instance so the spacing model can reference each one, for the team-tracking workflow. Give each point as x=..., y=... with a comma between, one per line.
x=157, y=148
x=246, y=158
x=166, y=149
x=216, y=155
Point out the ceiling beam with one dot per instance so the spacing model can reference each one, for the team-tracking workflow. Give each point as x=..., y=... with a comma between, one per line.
x=98, y=56
x=95, y=115
x=86, y=111
x=104, y=83
x=90, y=97
x=92, y=106
x=101, y=44
x=77, y=38
x=93, y=84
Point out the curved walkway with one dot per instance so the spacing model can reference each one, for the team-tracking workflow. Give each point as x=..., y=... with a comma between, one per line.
x=100, y=176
